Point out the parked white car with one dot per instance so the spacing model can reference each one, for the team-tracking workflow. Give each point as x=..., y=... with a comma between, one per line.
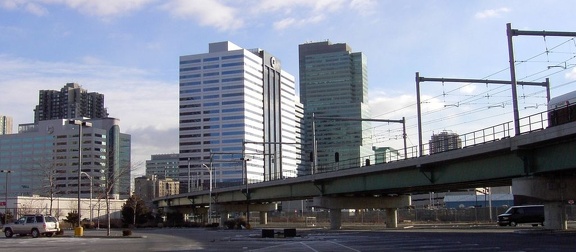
x=34, y=225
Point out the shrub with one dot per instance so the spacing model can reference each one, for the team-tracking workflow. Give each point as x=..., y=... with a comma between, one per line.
x=126, y=232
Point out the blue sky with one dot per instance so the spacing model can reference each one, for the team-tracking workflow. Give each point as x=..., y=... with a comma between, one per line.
x=128, y=50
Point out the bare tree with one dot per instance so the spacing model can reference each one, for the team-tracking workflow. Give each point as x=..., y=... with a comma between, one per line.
x=113, y=182
x=45, y=173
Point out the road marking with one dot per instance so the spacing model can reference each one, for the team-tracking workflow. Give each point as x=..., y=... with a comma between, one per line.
x=344, y=246
x=306, y=245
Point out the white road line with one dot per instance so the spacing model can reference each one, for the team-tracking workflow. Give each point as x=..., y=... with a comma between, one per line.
x=306, y=245
x=344, y=246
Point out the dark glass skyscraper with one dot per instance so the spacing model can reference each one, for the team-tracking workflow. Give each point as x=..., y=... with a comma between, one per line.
x=333, y=83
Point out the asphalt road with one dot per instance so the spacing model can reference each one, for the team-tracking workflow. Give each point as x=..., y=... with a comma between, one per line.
x=431, y=238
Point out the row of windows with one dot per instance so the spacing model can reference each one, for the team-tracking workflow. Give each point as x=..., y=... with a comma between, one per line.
x=192, y=76
x=233, y=125
x=210, y=104
x=197, y=83
x=210, y=134
x=211, y=59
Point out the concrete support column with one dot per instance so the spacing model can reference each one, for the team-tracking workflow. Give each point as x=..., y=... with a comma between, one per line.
x=223, y=218
x=553, y=191
x=335, y=219
x=554, y=217
x=264, y=218
x=391, y=217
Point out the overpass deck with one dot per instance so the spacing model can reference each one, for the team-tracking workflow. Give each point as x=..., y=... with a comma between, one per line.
x=493, y=162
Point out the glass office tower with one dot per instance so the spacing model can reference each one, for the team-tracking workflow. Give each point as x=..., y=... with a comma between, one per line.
x=333, y=83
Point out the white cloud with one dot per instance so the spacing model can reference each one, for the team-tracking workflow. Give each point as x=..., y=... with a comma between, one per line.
x=206, y=12
x=491, y=13
x=104, y=8
x=571, y=75
x=9, y=4
x=468, y=88
x=288, y=6
x=299, y=13
x=364, y=7
x=292, y=22
x=100, y=8
x=36, y=9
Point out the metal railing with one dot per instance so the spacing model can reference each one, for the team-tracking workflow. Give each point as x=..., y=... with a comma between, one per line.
x=531, y=123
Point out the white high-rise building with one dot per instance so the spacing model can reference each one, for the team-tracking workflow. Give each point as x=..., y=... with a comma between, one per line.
x=237, y=108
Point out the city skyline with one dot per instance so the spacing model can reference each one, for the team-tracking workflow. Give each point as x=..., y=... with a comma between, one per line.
x=129, y=51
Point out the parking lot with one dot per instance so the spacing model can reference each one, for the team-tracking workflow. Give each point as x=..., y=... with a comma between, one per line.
x=436, y=238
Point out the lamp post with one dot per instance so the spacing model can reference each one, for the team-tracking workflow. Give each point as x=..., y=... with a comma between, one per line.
x=189, y=185
x=210, y=192
x=80, y=124
x=91, y=186
x=6, y=197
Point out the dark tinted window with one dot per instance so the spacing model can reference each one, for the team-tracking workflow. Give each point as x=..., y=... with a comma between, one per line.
x=39, y=219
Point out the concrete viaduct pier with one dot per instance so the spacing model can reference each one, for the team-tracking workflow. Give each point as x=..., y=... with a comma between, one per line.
x=336, y=204
x=553, y=191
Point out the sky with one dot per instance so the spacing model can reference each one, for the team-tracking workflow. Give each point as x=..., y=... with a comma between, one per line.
x=129, y=51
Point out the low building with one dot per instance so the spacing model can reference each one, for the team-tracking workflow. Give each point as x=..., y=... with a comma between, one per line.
x=94, y=209
x=386, y=154
x=149, y=187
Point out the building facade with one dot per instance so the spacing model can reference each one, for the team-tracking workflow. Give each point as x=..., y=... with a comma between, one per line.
x=5, y=125
x=149, y=187
x=237, y=118
x=334, y=83
x=59, y=207
x=43, y=159
x=444, y=141
x=163, y=166
x=71, y=101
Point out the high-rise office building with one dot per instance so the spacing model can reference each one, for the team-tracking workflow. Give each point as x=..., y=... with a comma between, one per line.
x=163, y=166
x=43, y=159
x=333, y=83
x=444, y=141
x=71, y=101
x=237, y=109
x=5, y=125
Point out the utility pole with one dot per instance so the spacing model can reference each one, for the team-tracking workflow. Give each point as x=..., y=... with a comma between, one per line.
x=511, y=33
x=419, y=79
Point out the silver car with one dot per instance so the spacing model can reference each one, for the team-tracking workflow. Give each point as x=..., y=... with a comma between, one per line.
x=34, y=225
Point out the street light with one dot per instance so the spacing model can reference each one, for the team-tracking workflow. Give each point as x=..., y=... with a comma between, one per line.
x=91, y=186
x=210, y=193
x=189, y=186
x=6, y=197
x=80, y=124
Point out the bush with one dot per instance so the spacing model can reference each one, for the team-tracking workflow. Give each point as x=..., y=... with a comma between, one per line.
x=230, y=224
x=237, y=223
x=126, y=232
x=213, y=225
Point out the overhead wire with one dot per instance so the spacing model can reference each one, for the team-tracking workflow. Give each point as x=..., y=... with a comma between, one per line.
x=493, y=92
